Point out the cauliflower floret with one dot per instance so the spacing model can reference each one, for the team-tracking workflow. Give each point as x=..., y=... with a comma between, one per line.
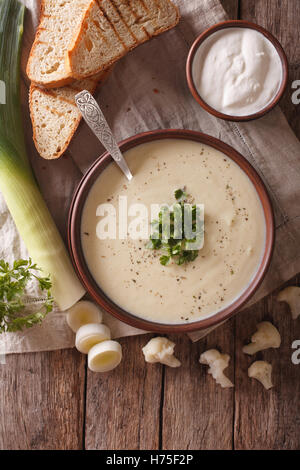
x=267, y=336
x=291, y=295
x=261, y=371
x=217, y=363
x=161, y=350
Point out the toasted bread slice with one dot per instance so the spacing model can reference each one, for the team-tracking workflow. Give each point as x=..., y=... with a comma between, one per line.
x=55, y=116
x=128, y=11
x=59, y=21
x=132, y=22
x=96, y=28
x=156, y=16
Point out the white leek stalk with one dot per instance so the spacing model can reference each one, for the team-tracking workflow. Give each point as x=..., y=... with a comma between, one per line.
x=17, y=182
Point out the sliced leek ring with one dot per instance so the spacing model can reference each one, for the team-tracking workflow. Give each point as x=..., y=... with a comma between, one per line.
x=82, y=313
x=89, y=335
x=105, y=356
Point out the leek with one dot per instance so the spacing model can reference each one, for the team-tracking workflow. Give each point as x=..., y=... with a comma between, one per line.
x=17, y=183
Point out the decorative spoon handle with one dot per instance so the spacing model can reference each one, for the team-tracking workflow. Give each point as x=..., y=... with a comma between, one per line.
x=95, y=119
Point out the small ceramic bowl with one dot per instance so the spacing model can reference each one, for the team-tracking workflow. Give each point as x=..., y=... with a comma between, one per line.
x=74, y=236
x=236, y=24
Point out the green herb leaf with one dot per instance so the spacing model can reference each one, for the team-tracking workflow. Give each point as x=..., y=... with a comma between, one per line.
x=13, y=282
x=178, y=194
x=164, y=260
x=177, y=245
x=156, y=243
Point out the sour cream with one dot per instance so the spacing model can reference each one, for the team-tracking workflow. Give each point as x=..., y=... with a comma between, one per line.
x=237, y=71
x=131, y=275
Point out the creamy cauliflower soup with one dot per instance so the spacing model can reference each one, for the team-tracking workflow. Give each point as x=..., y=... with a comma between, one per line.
x=131, y=274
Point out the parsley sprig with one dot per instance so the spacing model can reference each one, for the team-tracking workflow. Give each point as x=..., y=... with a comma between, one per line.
x=177, y=246
x=13, y=282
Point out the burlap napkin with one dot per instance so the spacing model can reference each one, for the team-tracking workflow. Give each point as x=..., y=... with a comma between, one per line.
x=147, y=90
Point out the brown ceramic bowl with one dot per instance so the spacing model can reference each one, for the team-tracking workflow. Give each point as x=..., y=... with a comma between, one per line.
x=236, y=24
x=75, y=240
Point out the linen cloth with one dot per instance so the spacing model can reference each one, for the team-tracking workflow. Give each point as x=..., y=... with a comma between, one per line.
x=147, y=90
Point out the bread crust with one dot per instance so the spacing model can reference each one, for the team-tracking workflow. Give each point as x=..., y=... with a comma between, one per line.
x=76, y=40
x=99, y=81
x=97, y=76
x=71, y=75
x=67, y=80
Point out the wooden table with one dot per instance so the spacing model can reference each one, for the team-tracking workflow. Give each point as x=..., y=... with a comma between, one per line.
x=51, y=401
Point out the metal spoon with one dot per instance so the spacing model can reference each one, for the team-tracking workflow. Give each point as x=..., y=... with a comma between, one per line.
x=95, y=119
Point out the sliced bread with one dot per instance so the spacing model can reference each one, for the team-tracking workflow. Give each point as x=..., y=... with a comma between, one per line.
x=132, y=22
x=55, y=116
x=77, y=39
x=97, y=28
x=59, y=21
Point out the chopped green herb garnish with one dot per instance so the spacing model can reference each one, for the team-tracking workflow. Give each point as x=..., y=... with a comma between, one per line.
x=181, y=195
x=178, y=240
x=155, y=244
x=164, y=260
x=13, y=282
x=178, y=194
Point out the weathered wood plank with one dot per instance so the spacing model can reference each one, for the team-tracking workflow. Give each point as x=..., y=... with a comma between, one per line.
x=231, y=7
x=198, y=413
x=42, y=401
x=281, y=17
x=271, y=420
x=267, y=419
x=123, y=406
